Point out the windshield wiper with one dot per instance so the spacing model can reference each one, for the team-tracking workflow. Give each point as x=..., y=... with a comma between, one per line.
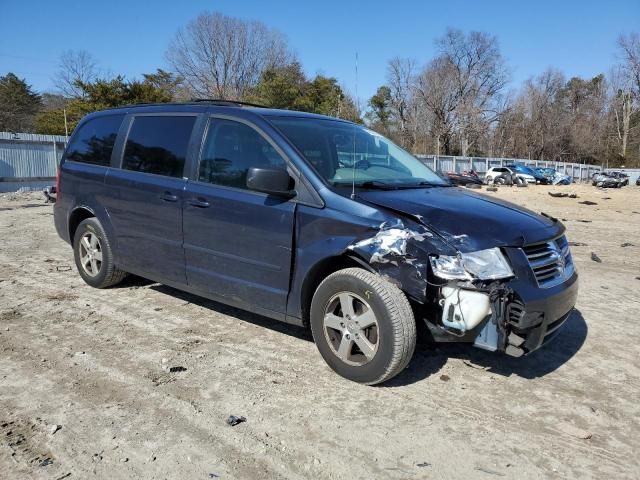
x=372, y=184
x=425, y=184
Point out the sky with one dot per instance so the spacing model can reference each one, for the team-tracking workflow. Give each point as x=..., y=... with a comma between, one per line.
x=131, y=37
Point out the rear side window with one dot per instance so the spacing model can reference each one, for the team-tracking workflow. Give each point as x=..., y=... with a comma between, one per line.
x=158, y=144
x=93, y=142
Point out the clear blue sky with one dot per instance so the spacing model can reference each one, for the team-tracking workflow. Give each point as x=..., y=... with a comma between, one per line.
x=130, y=37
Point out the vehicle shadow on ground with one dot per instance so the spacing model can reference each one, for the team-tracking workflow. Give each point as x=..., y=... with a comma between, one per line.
x=429, y=357
x=243, y=315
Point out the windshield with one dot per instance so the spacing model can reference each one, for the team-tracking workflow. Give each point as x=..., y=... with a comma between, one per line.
x=344, y=153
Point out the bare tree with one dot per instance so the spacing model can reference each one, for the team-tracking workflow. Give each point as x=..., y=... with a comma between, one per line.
x=479, y=76
x=401, y=81
x=438, y=99
x=74, y=66
x=625, y=95
x=222, y=57
x=621, y=103
x=629, y=46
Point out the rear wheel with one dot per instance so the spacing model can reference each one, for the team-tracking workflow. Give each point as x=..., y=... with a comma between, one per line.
x=93, y=255
x=363, y=326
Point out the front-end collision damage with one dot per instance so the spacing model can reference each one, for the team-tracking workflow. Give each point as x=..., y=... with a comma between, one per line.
x=399, y=254
x=476, y=312
x=467, y=309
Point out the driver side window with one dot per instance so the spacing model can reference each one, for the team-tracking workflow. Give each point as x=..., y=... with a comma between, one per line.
x=231, y=148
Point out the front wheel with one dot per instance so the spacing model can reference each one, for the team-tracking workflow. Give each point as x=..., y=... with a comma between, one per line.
x=363, y=326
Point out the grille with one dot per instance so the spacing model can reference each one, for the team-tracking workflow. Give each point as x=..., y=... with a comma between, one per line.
x=551, y=262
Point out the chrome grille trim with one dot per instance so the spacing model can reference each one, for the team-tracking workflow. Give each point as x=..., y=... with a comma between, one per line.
x=550, y=262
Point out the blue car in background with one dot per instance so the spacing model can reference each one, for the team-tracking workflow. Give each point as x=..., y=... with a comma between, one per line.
x=540, y=178
x=554, y=176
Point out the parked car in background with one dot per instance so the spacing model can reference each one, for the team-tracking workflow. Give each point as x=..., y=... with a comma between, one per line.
x=506, y=175
x=313, y=221
x=622, y=177
x=604, y=180
x=638, y=181
x=553, y=176
x=524, y=170
x=465, y=178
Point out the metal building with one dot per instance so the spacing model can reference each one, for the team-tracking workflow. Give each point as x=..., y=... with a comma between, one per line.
x=28, y=161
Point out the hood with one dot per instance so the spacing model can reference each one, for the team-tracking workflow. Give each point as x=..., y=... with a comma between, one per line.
x=467, y=220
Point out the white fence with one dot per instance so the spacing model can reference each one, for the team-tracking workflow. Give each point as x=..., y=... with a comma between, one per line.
x=578, y=171
x=29, y=161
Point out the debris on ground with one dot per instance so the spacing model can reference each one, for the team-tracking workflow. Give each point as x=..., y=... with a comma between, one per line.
x=583, y=221
x=588, y=202
x=577, y=244
x=627, y=244
x=558, y=194
x=574, y=431
x=471, y=365
x=177, y=369
x=595, y=258
x=445, y=378
x=573, y=195
x=54, y=428
x=489, y=471
x=63, y=268
x=234, y=420
x=423, y=464
x=492, y=189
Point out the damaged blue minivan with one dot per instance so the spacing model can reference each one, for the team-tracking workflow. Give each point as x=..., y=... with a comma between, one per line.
x=314, y=221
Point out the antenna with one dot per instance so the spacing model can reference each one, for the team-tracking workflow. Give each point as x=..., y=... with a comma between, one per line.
x=353, y=165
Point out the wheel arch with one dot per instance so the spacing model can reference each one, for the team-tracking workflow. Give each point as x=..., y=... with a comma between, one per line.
x=322, y=270
x=76, y=217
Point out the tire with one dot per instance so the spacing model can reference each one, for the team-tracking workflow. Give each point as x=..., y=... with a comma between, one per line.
x=90, y=241
x=473, y=186
x=390, y=342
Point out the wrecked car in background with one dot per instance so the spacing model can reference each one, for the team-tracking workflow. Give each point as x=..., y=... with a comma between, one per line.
x=553, y=176
x=464, y=179
x=314, y=221
x=622, y=177
x=605, y=180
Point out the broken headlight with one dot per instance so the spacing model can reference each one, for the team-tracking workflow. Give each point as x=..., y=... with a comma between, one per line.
x=487, y=264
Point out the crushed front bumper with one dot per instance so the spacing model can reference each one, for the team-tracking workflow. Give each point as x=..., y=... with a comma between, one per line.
x=533, y=320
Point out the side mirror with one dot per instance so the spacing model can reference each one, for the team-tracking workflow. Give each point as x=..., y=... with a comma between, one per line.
x=274, y=181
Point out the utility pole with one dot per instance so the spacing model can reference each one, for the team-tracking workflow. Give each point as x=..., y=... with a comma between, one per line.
x=66, y=128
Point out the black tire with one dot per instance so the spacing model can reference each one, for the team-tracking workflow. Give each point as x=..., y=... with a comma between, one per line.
x=107, y=273
x=395, y=330
x=473, y=186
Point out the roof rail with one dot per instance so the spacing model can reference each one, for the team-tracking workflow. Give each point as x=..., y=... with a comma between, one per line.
x=221, y=101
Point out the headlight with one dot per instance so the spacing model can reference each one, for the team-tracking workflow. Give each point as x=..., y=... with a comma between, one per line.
x=484, y=264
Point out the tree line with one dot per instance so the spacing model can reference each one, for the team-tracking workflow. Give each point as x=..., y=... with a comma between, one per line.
x=458, y=103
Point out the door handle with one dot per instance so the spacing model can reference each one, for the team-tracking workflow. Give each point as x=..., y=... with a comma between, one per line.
x=169, y=197
x=198, y=202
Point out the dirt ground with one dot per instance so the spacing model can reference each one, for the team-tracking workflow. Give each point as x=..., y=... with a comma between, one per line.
x=87, y=391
